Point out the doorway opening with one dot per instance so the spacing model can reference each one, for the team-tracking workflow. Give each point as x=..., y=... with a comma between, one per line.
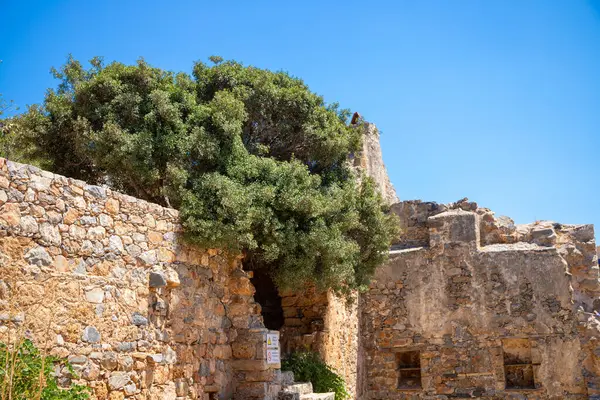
x=268, y=297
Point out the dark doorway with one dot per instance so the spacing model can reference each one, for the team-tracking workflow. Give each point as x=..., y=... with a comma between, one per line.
x=268, y=297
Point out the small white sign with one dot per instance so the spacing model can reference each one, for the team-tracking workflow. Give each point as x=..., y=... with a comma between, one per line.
x=272, y=341
x=273, y=356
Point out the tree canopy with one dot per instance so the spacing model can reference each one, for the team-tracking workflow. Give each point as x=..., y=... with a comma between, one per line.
x=255, y=161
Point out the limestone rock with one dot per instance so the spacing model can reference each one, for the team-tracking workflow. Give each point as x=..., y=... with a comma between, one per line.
x=138, y=319
x=28, y=225
x=95, y=295
x=38, y=256
x=50, y=234
x=96, y=233
x=109, y=361
x=91, y=335
x=95, y=191
x=172, y=277
x=115, y=244
x=157, y=279
x=10, y=214
x=148, y=257
x=112, y=206
x=118, y=380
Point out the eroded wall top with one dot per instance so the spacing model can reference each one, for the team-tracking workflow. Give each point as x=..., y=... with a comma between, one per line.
x=461, y=287
x=370, y=160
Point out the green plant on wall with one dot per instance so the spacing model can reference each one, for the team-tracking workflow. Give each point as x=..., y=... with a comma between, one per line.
x=309, y=367
x=26, y=374
x=255, y=162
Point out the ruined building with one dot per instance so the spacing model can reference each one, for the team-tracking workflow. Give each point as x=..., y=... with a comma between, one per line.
x=468, y=306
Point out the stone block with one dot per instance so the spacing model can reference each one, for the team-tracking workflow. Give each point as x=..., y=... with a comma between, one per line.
x=455, y=226
x=249, y=365
x=251, y=390
x=157, y=279
x=244, y=349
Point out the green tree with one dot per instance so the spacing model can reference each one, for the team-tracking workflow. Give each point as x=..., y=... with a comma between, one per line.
x=254, y=160
x=6, y=136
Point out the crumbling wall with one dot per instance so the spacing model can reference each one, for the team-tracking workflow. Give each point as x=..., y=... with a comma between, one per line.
x=370, y=161
x=461, y=288
x=324, y=323
x=103, y=279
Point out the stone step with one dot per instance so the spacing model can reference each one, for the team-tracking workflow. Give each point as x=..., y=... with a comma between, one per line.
x=318, y=396
x=299, y=387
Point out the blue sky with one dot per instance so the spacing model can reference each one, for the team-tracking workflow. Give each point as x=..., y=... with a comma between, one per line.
x=498, y=101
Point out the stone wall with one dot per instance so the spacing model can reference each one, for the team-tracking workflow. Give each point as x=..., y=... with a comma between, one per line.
x=324, y=323
x=464, y=292
x=103, y=279
x=370, y=161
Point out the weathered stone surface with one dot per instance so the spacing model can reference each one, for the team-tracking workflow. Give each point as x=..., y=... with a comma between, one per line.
x=50, y=234
x=28, y=225
x=370, y=161
x=91, y=335
x=109, y=361
x=157, y=279
x=148, y=257
x=95, y=295
x=115, y=244
x=460, y=286
x=76, y=262
x=10, y=214
x=118, y=380
x=138, y=319
x=96, y=233
x=38, y=256
x=112, y=206
x=172, y=278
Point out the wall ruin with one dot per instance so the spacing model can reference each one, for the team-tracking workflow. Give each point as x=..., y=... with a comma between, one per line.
x=468, y=303
x=370, y=161
x=324, y=323
x=104, y=280
x=472, y=306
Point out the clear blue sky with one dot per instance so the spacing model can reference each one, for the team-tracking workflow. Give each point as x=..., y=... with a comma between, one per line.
x=498, y=101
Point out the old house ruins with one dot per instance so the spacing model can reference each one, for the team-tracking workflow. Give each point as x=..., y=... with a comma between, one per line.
x=468, y=306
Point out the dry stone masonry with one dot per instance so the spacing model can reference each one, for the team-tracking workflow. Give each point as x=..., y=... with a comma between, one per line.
x=325, y=323
x=103, y=279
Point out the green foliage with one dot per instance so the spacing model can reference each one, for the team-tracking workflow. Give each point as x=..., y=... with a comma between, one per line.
x=14, y=143
x=308, y=367
x=25, y=374
x=254, y=160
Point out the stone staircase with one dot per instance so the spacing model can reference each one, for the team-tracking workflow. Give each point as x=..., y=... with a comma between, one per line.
x=300, y=391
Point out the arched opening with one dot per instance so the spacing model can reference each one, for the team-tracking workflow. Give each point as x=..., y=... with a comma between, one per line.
x=268, y=297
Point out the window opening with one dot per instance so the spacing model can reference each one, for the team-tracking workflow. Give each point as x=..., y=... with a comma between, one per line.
x=409, y=370
x=518, y=364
